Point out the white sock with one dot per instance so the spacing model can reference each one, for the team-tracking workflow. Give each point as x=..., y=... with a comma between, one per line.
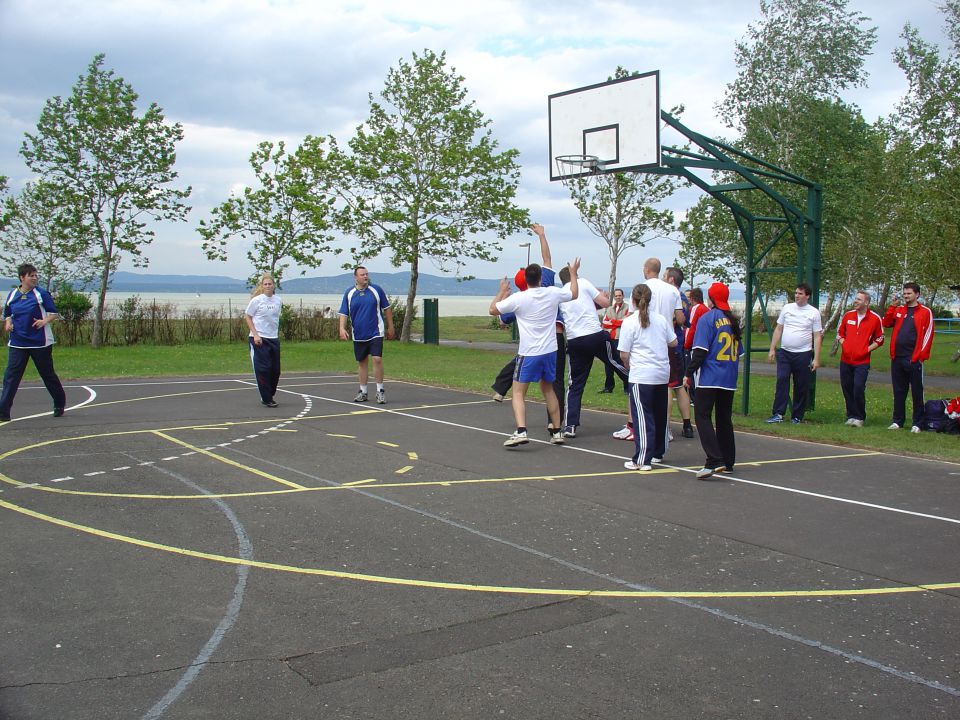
x=379, y=387
x=363, y=388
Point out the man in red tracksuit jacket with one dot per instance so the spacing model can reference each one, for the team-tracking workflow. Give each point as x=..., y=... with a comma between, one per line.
x=860, y=333
x=910, y=344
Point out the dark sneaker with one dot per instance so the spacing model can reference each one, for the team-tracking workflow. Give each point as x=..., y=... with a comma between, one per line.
x=688, y=431
x=796, y=421
x=361, y=397
x=4, y=418
x=570, y=431
x=775, y=418
x=58, y=412
x=270, y=403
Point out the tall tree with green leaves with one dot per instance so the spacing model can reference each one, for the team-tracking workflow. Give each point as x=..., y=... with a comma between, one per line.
x=100, y=154
x=710, y=245
x=929, y=119
x=424, y=177
x=39, y=231
x=286, y=218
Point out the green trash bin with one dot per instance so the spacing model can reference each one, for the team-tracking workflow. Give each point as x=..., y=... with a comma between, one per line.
x=431, y=321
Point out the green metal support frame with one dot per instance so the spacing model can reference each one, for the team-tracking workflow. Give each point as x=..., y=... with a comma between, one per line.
x=802, y=226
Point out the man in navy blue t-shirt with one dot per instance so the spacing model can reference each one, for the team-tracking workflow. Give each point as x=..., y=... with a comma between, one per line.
x=366, y=305
x=27, y=313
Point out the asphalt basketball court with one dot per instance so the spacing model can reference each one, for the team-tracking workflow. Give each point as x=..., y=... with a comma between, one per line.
x=173, y=549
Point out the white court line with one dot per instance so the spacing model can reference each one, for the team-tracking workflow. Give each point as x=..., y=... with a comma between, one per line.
x=90, y=398
x=770, y=486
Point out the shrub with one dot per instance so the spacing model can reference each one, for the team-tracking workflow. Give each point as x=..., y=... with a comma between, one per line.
x=74, y=309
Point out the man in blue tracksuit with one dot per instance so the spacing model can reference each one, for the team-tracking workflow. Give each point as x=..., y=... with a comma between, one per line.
x=27, y=313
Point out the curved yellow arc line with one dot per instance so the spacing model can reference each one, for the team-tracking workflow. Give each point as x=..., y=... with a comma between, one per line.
x=436, y=585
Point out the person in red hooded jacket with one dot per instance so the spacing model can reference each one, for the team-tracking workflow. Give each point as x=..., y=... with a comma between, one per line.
x=910, y=344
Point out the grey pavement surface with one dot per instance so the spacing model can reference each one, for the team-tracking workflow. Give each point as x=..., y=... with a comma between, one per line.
x=172, y=549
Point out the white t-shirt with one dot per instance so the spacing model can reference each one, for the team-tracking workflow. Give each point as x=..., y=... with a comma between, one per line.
x=580, y=315
x=648, y=348
x=265, y=312
x=799, y=325
x=664, y=299
x=536, y=311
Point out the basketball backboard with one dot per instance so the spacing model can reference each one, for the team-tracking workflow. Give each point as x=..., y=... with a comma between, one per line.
x=617, y=121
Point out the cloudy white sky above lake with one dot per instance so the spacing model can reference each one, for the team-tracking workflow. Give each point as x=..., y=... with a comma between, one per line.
x=236, y=72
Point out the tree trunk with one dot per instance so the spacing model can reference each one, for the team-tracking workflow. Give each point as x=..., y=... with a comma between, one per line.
x=96, y=337
x=411, y=299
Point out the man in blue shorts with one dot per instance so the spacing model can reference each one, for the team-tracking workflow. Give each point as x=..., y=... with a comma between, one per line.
x=366, y=305
x=536, y=312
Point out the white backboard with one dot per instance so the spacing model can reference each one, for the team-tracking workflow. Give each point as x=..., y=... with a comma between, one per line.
x=618, y=121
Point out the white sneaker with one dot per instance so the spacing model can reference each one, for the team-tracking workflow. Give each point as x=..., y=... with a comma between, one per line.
x=518, y=438
x=893, y=426
x=856, y=423
x=497, y=397
x=557, y=438
x=624, y=433
x=656, y=461
x=631, y=465
x=704, y=473
x=381, y=397
x=915, y=429
x=850, y=421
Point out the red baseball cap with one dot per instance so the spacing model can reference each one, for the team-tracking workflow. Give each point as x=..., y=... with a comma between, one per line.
x=720, y=295
x=520, y=279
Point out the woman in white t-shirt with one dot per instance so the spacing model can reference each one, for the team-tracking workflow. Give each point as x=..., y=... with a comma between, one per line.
x=645, y=339
x=263, y=319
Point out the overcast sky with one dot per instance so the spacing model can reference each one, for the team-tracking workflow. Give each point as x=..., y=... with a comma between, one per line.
x=236, y=72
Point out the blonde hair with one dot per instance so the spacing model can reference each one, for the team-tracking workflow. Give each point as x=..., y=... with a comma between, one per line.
x=258, y=290
x=641, y=300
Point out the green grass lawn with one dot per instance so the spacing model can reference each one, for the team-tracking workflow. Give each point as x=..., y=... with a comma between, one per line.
x=473, y=369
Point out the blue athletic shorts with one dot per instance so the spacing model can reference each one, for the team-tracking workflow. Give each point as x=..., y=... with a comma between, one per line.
x=535, y=368
x=368, y=347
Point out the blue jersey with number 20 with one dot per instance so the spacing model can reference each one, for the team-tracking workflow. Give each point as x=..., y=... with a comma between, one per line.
x=719, y=369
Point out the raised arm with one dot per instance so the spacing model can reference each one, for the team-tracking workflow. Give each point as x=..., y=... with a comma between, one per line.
x=501, y=295
x=545, y=256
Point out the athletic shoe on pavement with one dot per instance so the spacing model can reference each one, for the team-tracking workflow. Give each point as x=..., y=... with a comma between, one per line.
x=361, y=397
x=624, y=433
x=570, y=431
x=704, y=473
x=688, y=431
x=518, y=438
x=497, y=397
x=557, y=438
x=656, y=461
x=381, y=397
x=269, y=403
x=775, y=418
x=631, y=465
x=58, y=412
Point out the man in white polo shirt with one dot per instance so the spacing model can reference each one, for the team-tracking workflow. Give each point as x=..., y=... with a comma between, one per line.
x=536, y=312
x=800, y=334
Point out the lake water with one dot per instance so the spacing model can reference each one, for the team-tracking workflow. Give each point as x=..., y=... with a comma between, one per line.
x=449, y=305
x=230, y=303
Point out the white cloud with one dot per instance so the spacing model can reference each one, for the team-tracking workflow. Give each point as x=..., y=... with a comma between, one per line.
x=236, y=72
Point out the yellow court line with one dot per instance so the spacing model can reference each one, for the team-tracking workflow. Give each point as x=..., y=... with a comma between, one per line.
x=349, y=437
x=412, y=455
x=359, y=482
x=283, y=430
x=228, y=461
x=404, y=469
x=439, y=585
x=387, y=444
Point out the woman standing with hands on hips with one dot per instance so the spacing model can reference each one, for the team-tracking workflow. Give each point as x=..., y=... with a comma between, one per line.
x=263, y=319
x=714, y=363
